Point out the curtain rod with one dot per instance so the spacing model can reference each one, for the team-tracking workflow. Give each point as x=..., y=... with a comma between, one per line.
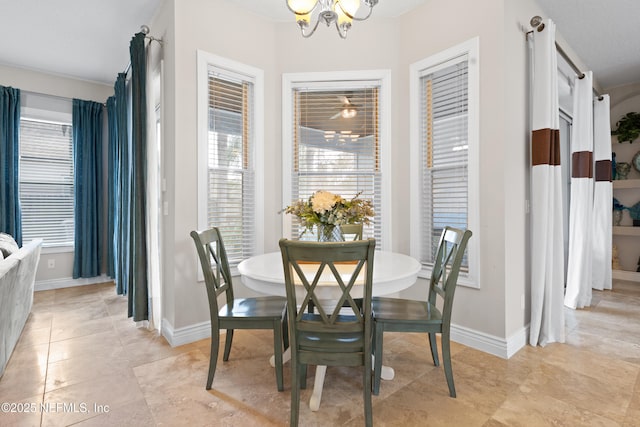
x=66, y=98
x=536, y=22
x=145, y=30
x=575, y=68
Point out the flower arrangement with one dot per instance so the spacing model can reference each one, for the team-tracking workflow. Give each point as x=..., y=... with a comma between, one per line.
x=325, y=210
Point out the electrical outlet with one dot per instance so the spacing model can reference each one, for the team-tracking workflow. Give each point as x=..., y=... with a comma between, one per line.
x=51, y=263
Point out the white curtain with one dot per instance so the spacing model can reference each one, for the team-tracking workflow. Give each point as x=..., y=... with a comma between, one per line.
x=579, y=271
x=547, y=251
x=602, y=196
x=154, y=212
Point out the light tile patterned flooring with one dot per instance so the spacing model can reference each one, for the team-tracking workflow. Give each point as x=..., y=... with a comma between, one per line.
x=86, y=362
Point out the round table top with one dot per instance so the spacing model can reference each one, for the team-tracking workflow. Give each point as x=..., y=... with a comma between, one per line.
x=392, y=272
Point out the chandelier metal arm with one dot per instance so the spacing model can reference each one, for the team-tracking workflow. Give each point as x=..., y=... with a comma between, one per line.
x=304, y=25
x=327, y=12
x=342, y=29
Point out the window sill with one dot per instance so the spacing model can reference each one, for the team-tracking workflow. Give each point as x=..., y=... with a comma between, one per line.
x=464, y=279
x=57, y=249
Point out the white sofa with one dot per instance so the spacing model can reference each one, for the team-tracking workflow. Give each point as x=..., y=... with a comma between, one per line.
x=17, y=277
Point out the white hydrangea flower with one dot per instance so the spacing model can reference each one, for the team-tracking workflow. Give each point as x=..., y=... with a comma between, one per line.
x=323, y=201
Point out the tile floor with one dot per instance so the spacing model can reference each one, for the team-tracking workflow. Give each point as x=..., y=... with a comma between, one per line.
x=86, y=363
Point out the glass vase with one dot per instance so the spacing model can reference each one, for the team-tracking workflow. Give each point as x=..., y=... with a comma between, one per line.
x=328, y=233
x=617, y=216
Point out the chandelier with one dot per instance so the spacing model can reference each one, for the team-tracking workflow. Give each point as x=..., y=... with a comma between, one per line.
x=339, y=12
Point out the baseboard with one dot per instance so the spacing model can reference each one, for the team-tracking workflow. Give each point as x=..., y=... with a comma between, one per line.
x=503, y=348
x=478, y=340
x=187, y=334
x=68, y=282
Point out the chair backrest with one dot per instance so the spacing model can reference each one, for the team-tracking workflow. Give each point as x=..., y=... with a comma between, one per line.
x=351, y=231
x=215, y=266
x=444, y=276
x=307, y=265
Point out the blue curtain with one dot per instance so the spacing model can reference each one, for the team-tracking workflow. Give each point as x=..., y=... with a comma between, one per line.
x=138, y=291
x=87, y=162
x=10, y=215
x=112, y=185
x=121, y=178
x=127, y=184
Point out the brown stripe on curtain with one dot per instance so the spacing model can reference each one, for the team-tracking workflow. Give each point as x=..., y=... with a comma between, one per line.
x=545, y=147
x=603, y=170
x=582, y=164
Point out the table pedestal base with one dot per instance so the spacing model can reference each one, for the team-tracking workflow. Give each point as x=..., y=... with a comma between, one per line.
x=387, y=373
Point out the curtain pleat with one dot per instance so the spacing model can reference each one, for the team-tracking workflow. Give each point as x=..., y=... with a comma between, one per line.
x=547, y=252
x=138, y=291
x=112, y=185
x=87, y=159
x=10, y=215
x=579, y=271
x=602, y=195
x=121, y=220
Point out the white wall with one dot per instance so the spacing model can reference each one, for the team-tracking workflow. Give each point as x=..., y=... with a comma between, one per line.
x=428, y=30
x=49, y=84
x=212, y=26
x=495, y=310
x=625, y=99
x=376, y=44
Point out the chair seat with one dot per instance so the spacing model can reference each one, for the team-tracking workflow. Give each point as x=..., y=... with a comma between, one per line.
x=259, y=308
x=398, y=310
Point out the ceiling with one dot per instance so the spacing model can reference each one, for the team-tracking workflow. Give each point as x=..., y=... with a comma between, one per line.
x=90, y=39
x=603, y=34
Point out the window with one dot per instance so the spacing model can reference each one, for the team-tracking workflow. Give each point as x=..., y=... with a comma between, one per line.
x=334, y=141
x=229, y=131
x=46, y=181
x=444, y=151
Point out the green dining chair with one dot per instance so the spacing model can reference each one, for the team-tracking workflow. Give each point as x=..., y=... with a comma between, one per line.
x=351, y=231
x=401, y=315
x=329, y=337
x=238, y=313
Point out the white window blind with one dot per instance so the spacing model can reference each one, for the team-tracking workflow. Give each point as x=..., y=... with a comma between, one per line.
x=336, y=147
x=444, y=152
x=46, y=182
x=230, y=166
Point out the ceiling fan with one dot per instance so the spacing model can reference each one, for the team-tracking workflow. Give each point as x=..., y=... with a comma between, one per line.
x=347, y=109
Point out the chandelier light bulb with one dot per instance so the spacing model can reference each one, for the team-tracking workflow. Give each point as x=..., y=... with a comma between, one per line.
x=347, y=7
x=301, y=7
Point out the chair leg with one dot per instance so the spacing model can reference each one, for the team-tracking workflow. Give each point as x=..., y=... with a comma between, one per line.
x=446, y=359
x=213, y=357
x=434, y=348
x=368, y=411
x=295, y=393
x=227, y=344
x=303, y=376
x=277, y=351
x=377, y=352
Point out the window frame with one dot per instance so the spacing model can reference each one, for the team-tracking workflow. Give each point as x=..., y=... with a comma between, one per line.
x=205, y=62
x=340, y=80
x=470, y=48
x=48, y=109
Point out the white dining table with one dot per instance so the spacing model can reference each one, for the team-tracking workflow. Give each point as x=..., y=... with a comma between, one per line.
x=392, y=272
